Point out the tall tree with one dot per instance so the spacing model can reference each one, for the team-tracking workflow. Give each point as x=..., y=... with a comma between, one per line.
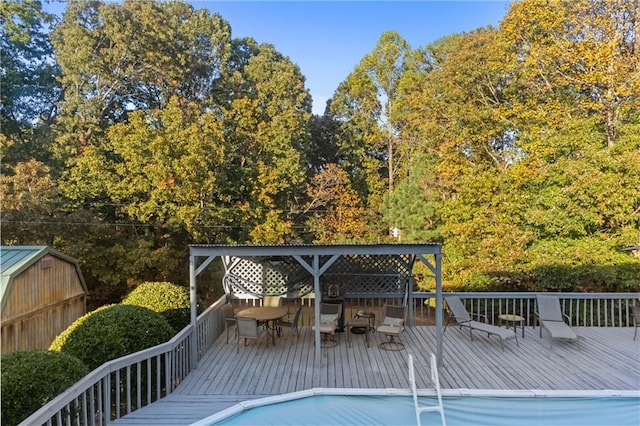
x=370, y=131
x=118, y=58
x=266, y=120
x=575, y=59
x=29, y=87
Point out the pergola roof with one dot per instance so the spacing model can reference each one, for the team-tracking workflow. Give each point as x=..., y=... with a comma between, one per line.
x=314, y=249
x=316, y=259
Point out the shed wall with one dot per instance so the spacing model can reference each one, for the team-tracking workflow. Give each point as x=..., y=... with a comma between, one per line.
x=43, y=301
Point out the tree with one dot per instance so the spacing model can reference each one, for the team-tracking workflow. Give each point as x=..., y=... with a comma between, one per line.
x=575, y=59
x=336, y=211
x=266, y=121
x=119, y=58
x=365, y=106
x=29, y=87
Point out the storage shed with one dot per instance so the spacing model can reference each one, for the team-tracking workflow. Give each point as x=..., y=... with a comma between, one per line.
x=43, y=292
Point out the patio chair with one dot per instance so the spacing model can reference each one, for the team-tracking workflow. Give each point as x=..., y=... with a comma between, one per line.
x=248, y=329
x=229, y=319
x=392, y=326
x=329, y=315
x=293, y=324
x=550, y=317
x=636, y=320
x=459, y=313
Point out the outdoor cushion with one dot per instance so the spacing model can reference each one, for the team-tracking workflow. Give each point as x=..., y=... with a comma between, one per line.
x=388, y=329
x=395, y=322
x=327, y=318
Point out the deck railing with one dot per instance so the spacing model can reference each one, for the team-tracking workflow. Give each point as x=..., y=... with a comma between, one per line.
x=584, y=309
x=123, y=385
x=126, y=384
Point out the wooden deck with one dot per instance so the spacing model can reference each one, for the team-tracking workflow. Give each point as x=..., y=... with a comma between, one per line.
x=604, y=359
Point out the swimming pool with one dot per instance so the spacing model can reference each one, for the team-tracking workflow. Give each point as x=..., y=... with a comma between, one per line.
x=462, y=408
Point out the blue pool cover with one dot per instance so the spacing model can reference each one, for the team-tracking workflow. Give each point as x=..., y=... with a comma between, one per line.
x=459, y=411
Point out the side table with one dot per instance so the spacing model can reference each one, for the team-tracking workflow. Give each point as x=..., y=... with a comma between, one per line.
x=370, y=317
x=358, y=322
x=513, y=319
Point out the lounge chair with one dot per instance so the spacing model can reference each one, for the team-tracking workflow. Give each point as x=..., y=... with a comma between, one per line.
x=459, y=313
x=248, y=329
x=392, y=325
x=329, y=316
x=551, y=318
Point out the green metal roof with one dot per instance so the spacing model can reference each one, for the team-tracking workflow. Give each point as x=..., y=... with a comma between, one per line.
x=16, y=259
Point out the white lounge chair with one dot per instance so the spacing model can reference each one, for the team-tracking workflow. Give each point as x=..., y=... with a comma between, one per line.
x=551, y=318
x=464, y=319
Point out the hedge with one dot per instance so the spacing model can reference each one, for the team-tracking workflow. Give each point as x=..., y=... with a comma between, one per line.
x=111, y=332
x=170, y=300
x=32, y=378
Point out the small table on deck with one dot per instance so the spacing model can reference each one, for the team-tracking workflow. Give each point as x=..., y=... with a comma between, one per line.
x=370, y=316
x=266, y=314
x=358, y=322
x=513, y=319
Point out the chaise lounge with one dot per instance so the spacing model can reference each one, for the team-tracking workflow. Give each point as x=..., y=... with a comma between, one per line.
x=459, y=313
x=552, y=319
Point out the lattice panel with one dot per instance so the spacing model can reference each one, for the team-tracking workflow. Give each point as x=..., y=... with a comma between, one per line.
x=354, y=275
x=370, y=264
x=268, y=277
x=365, y=284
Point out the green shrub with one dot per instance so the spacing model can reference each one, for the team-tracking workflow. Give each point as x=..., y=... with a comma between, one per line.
x=32, y=378
x=170, y=300
x=112, y=331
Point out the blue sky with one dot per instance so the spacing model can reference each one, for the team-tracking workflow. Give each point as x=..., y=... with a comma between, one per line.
x=327, y=39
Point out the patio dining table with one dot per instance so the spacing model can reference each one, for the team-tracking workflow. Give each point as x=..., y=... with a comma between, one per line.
x=265, y=314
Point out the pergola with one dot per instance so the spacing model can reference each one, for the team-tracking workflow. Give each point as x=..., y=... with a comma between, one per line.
x=317, y=261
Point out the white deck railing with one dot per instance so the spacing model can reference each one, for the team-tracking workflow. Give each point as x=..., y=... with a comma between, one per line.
x=584, y=309
x=126, y=384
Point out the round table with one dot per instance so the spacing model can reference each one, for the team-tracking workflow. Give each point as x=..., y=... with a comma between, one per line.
x=513, y=319
x=266, y=314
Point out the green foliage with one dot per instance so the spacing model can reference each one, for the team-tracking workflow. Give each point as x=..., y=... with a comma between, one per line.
x=32, y=378
x=517, y=147
x=111, y=332
x=170, y=300
x=335, y=209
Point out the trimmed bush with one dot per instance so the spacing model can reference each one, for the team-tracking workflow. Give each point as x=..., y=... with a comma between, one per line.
x=170, y=300
x=112, y=331
x=32, y=378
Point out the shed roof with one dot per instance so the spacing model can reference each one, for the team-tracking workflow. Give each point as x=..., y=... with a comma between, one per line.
x=16, y=259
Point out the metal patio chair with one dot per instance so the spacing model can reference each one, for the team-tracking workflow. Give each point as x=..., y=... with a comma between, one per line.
x=551, y=318
x=459, y=313
x=392, y=326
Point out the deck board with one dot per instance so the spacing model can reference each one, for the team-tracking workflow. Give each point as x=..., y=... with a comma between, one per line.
x=604, y=359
